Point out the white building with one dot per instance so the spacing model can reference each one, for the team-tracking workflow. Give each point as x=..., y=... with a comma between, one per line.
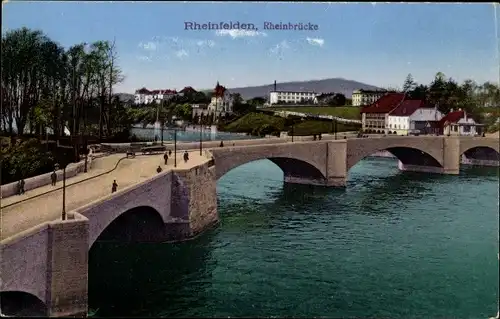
x=283, y=97
x=413, y=116
x=221, y=101
x=366, y=97
x=145, y=96
x=458, y=123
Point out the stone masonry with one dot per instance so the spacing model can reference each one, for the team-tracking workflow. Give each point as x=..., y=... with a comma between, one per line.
x=49, y=261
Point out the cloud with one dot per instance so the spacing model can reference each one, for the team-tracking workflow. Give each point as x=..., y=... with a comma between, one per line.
x=205, y=43
x=238, y=33
x=143, y=58
x=181, y=54
x=149, y=46
x=315, y=41
x=280, y=47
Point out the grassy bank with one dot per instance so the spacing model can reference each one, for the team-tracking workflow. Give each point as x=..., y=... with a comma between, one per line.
x=348, y=112
x=320, y=127
x=262, y=124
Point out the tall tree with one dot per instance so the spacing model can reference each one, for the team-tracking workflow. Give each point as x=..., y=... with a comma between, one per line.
x=409, y=83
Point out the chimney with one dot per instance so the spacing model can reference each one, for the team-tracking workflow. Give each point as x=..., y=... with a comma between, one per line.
x=274, y=85
x=465, y=116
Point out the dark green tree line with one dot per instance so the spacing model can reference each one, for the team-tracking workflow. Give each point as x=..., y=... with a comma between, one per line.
x=45, y=85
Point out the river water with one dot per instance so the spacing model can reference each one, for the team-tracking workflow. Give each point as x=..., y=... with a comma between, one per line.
x=391, y=244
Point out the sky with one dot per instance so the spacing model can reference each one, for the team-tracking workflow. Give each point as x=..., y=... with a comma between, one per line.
x=374, y=43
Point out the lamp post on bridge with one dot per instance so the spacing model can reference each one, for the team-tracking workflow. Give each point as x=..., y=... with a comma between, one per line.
x=292, y=131
x=334, y=127
x=63, y=213
x=175, y=147
x=201, y=137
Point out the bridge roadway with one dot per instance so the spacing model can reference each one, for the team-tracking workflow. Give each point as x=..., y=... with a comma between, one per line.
x=22, y=212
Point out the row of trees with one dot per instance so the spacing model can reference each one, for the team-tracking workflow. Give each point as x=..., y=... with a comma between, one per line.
x=45, y=85
x=447, y=94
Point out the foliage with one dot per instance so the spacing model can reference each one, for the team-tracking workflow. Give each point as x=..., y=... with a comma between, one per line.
x=24, y=159
x=347, y=112
x=447, y=94
x=311, y=127
x=257, y=124
x=44, y=85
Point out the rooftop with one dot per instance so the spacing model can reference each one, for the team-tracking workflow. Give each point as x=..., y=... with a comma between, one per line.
x=408, y=107
x=385, y=104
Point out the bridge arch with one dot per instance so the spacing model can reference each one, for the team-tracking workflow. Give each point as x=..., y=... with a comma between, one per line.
x=406, y=155
x=295, y=165
x=467, y=144
x=22, y=304
x=138, y=224
x=482, y=155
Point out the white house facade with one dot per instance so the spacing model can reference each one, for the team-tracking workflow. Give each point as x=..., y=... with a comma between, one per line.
x=413, y=116
x=366, y=97
x=145, y=96
x=277, y=97
x=222, y=103
x=458, y=123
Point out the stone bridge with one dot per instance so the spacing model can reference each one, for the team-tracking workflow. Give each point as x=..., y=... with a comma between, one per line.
x=44, y=268
x=328, y=162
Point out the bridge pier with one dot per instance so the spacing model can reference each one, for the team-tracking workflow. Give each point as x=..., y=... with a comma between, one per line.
x=194, y=202
x=67, y=267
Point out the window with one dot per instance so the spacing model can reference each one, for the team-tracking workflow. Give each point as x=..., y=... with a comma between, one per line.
x=466, y=128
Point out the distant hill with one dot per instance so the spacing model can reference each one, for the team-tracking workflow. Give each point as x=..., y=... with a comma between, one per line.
x=337, y=85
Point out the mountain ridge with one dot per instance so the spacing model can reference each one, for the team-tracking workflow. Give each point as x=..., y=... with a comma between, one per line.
x=337, y=85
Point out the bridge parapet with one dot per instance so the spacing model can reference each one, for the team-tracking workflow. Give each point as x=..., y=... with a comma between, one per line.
x=50, y=262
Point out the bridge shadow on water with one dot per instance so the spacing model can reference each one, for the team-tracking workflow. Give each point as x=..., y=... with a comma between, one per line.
x=21, y=304
x=142, y=279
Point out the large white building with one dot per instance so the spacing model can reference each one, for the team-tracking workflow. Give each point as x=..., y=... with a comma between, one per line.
x=283, y=97
x=145, y=96
x=413, y=116
x=366, y=97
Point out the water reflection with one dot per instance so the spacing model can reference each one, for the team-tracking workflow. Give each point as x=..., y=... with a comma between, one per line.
x=135, y=279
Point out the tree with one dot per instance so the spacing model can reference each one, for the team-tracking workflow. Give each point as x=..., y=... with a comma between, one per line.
x=409, y=83
x=419, y=92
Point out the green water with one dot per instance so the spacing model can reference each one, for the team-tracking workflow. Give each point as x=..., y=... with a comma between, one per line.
x=391, y=244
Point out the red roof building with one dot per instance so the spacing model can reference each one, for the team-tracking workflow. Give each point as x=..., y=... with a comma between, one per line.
x=219, y=90
x=407, y=108
x=143, y=91
x=452, y=117
x=385, y=104
x=374, y=116
x=459, y=123
x=188, y=90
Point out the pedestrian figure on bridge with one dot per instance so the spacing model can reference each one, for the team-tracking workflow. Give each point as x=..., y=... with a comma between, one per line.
x=114, y=186
x=186, y=156
x=221, y=144
x=158, y=170
x=169, y=152
x=314, y=137
x=319, y=136
x=165, y=157
x=53, y=178
x=20, y=186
